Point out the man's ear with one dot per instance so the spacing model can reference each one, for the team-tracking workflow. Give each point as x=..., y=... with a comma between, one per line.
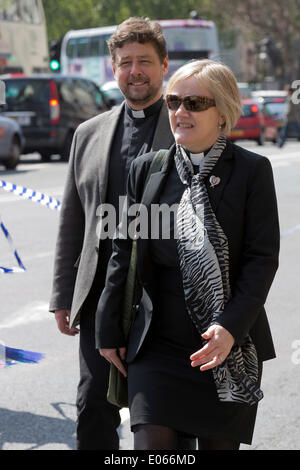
x=166, y=65
x=113, y=67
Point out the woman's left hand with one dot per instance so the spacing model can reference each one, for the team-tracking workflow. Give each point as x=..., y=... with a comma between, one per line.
x=219, y=345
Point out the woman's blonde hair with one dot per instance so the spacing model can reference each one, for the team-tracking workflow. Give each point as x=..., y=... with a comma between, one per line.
x=220, y=81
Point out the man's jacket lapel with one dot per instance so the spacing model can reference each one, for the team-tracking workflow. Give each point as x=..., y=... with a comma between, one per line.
x=163, y=137
x=105, y=141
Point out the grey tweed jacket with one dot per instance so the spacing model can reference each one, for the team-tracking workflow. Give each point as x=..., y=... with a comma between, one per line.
x=77, y=246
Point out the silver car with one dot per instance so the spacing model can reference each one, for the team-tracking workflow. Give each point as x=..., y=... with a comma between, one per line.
x=12, y=143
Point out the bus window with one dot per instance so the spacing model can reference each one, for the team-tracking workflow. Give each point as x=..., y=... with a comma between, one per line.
x=104, y=39
x=71, y=48
x=95, y=46
x=82, y=47
x=188, y=39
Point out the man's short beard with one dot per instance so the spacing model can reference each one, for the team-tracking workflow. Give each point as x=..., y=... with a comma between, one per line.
x=141, y=100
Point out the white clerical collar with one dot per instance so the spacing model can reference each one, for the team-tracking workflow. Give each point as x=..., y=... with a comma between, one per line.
x=196, y=158
x=138, y=114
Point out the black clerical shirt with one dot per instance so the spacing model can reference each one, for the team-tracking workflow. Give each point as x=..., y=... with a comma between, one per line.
x=133, y=137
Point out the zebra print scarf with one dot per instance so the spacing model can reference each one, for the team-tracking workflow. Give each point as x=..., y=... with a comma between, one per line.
x=204, y=261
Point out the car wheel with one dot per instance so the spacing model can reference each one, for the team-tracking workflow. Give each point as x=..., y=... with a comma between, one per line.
x=15, y=155
x=262, y=138
x=66, y=147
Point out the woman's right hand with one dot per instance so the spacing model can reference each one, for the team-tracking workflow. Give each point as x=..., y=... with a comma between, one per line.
x=115, y=356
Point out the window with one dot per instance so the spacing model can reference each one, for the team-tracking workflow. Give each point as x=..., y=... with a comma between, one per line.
x=104, y=39
x=188, y=39
x=31, y=11
x=71, y=48
x=10, y=10
x=24, y=92
x=96, y=94
x=82, y=94
x=82, y=47
x=95, y=46
x=65, y=91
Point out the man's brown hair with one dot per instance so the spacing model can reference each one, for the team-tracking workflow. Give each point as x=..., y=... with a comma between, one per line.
x=140, y=30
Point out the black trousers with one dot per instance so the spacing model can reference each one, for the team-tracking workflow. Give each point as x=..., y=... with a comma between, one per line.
x=97, y=419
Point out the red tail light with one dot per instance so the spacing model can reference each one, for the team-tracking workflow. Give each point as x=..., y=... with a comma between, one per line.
x=54, y=103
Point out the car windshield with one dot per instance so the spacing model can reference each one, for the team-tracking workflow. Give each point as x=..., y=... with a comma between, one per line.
x=24, y=92
x=275, y=109
x=112, y=93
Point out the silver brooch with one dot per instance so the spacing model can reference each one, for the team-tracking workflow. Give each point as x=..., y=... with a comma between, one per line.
x=214, y=181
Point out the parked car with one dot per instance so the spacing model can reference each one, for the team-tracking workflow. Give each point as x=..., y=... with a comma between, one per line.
x=49, y=107
x=12, y=143
x=275, y=101
x=112, y=93
x=255, y=124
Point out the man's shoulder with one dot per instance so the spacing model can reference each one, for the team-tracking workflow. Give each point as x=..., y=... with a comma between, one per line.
x=95, y=123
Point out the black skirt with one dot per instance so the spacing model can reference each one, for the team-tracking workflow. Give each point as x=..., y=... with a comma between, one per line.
x=163, y=387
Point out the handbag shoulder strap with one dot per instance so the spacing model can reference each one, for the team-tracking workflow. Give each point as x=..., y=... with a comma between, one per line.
x=156, y=164
x=129, y=293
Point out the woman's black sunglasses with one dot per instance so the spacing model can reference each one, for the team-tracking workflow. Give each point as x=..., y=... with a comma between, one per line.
x=191, y=103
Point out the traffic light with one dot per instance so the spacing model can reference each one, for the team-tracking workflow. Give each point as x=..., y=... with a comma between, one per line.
x=54, y=53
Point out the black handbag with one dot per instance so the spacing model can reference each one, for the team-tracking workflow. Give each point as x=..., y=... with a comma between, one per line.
x=117, y=393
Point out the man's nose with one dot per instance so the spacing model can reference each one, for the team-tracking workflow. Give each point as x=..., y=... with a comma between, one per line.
x=136, y=68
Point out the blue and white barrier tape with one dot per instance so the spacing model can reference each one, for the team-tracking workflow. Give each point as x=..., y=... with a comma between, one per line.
x=21, y=268
x=31, y=195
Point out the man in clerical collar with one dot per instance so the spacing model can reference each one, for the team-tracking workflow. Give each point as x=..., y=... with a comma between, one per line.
x=102, y=151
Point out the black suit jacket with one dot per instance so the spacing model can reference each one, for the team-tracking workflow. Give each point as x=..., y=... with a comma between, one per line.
x=245, y=205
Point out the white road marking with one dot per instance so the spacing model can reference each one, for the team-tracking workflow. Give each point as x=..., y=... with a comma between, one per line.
x=291, y=231
x=46, y=254
x=31, y=313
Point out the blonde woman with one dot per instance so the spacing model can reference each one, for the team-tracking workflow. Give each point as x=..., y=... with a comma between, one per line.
x=195, y=352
